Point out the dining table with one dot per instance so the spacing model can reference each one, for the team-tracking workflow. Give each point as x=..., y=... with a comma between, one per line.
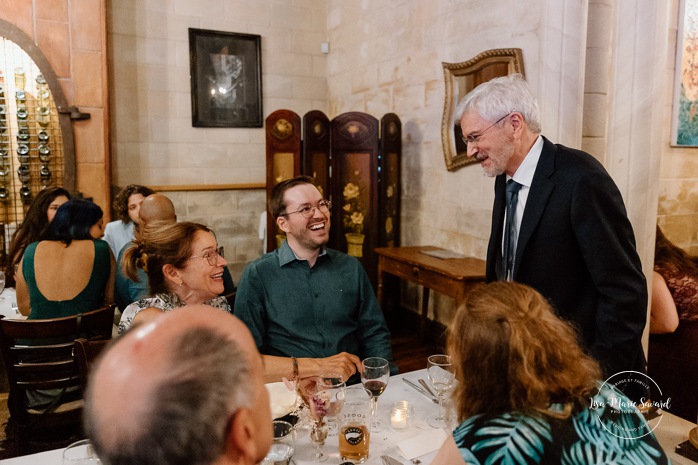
x=8, y=303
x=669, y=429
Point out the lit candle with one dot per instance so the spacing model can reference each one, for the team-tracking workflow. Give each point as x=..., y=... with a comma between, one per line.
x=400, y=415
x=398, y=420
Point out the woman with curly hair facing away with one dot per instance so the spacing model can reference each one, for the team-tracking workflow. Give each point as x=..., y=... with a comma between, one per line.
x=184, y=266
x=34, y=227
x=126, y=205
x=527, y=393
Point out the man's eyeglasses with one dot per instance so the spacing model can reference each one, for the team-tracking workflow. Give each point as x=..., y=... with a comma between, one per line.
x=473, y=139
x=308, y=211
x=211, y=256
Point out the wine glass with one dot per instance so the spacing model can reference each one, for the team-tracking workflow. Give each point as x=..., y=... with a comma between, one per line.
x=318, y=435
x=441, y=376
x=317, y=400
x=375, y=372
x=334, y=385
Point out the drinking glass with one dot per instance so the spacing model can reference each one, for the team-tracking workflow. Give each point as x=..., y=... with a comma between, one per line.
x=441, y=375
x=318, y=401
x=334, y=385
x=2, y=281
x=355, y=424
x=284, y=444
x=80, y=453
x=318, y=435
x=375, y=372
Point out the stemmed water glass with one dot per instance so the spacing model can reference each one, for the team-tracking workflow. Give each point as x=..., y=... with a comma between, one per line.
x=441, y=375
x=317, y=400
x=335, y=386
x=375, y=372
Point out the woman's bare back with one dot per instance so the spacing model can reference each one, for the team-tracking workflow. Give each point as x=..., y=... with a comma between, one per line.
x=63, y=272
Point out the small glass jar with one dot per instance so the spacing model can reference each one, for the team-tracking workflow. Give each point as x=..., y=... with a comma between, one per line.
x=23, y=136
x=26, y=194
x=44, y=153
x=401, y=415
x=20, y=78
x=45, y=173
x=43, y=116
x=22, y=149
x=23, y=174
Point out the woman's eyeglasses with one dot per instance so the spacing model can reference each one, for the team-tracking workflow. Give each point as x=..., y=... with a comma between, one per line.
x=211, y=256
x=308, y=211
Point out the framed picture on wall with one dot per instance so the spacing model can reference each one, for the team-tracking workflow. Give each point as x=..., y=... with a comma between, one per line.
x=685, y=108
x=226, y=79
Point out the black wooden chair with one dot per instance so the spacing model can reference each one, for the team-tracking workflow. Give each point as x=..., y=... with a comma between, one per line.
x=86, y=352
x=39, y=357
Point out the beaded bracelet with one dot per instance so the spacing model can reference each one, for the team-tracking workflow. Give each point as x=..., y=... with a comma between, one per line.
x=294, y=376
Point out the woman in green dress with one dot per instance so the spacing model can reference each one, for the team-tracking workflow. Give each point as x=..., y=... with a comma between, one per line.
x=72, y=270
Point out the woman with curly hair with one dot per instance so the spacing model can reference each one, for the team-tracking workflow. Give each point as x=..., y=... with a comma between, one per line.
x=126, y=205
x=527, y=393
x=33, y=228
x=184, y=266
x=672, y=363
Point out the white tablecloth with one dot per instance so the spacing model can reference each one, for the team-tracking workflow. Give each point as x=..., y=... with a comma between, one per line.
x=7, y=299
x=670, y=431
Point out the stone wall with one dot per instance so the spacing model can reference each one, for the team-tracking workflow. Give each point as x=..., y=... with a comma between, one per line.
x=232, y=215
x=678, y=176
x=72, y=36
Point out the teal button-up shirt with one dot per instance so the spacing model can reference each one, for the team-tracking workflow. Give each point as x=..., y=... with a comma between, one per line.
x=294, y=310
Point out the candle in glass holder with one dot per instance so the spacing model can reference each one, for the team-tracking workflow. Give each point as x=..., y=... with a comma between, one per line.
x=400, y=415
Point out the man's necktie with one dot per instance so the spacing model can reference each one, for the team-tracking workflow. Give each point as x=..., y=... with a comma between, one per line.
x=510, y=235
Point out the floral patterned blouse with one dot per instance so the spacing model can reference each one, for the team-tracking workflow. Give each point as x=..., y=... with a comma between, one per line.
x=165, y=302
x=596, y=434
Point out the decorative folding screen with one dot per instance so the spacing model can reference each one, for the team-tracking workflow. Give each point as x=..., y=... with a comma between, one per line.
x=283, y=130
x=355, y=160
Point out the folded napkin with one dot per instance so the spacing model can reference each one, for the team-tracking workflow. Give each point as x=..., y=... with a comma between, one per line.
x=422, y=444
x=281, y=399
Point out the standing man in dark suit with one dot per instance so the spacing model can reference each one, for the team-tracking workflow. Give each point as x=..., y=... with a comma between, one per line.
x=558, y=224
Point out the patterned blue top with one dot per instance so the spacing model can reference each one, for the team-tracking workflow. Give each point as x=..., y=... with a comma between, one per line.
x=599, y=434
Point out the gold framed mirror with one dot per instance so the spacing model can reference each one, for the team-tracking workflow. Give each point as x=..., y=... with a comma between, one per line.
x=461, y=78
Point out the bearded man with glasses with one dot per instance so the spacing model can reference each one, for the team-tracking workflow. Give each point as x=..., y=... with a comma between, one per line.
x=559, y=224
x=311, y=309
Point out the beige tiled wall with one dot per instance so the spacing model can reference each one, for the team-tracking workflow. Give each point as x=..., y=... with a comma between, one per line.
x=72, y=36
x=678, y=185
x=153, y=138
x=232, y=215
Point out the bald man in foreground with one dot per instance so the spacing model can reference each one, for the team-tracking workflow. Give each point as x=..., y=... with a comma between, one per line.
x=197, y=393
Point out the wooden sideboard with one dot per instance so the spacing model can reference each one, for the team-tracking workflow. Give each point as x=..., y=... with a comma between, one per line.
x=450, y=276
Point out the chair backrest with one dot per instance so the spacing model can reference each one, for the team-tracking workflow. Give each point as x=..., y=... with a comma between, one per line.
x=86, y=352
x=39, y=356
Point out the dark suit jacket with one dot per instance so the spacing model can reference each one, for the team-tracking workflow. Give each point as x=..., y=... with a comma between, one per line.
x=576, y=247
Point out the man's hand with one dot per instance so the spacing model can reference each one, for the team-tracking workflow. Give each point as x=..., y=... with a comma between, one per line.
x=344, y=364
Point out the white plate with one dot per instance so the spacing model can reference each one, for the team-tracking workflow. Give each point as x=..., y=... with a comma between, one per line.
x=282, y=400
